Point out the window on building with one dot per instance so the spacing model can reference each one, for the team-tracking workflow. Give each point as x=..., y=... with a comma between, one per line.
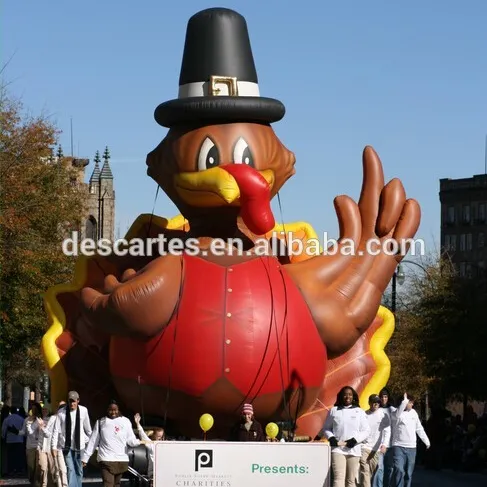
x=462, y=242
x=469, y=241
x=447, y=243
x=451, y=215
x=481, y=268
x=482, y=212
x=462, y=269
x=468, y=270
x=453, y=243
x=466, y=213
x=92, y=190
x=91, y=228
x=481, y=240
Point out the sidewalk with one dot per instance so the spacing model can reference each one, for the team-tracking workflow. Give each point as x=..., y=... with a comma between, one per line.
x=91, y=476
x=88, y=480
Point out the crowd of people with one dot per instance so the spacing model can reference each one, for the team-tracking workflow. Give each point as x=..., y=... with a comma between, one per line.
x=458, y=444
x=376, y=447
x=55, y=448
x=379, y=447
x=373, y=448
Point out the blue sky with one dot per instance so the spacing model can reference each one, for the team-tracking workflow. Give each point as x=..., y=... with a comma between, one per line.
x=410, y=79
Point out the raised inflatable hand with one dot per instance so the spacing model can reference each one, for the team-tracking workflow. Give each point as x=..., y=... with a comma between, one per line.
x=343, y=289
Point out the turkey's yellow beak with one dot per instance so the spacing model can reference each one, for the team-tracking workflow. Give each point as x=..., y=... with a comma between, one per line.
x=213, y=187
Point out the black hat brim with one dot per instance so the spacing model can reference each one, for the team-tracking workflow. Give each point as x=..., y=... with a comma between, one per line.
x=219, y=109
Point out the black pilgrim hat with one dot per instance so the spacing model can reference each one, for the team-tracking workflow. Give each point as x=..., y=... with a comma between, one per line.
x=218, y=81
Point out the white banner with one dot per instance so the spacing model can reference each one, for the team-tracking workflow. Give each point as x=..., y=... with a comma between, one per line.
x=233, y=464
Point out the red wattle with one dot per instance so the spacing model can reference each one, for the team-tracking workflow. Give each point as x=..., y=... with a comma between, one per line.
x=255, y=198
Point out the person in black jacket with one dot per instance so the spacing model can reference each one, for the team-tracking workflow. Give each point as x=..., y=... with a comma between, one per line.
x=247, y=429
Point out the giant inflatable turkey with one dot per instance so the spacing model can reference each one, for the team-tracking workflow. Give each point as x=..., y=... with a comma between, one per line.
x=185, y=333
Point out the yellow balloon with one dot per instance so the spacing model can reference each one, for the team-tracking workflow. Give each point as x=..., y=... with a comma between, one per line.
x=206, y=422
x=272, y=430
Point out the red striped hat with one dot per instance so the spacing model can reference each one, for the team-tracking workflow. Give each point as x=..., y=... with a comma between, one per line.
x=247, y=409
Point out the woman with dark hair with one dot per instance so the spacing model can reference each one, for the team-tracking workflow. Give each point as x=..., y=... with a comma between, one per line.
x=112, y=435
x=346, y=427
x=384, y=469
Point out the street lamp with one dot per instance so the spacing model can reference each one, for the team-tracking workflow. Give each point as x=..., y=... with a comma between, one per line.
x=397, y=278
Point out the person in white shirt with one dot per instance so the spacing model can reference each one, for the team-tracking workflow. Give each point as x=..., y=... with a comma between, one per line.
x=346, y=427
x=48, y=463
x=71, y=433
x=112, y=435
x=59, y=470
x=31, y=429
x=384, y=471
x=407, y=426
x=158, y=434
x=376, y=443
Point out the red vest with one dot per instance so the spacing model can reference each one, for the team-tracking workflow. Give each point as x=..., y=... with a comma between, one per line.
x=247, y=322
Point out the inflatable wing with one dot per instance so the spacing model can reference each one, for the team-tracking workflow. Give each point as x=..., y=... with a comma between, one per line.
x=76, y=354
x=365, y=367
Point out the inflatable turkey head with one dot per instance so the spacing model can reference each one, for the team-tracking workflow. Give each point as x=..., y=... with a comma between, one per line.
x=221, y=154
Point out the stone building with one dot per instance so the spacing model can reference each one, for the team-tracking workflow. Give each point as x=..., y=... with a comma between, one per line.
x=100, y=214
x=99, y=219
x=464, y=223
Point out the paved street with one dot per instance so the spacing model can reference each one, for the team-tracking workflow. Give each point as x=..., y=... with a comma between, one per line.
x=89, y=482
x=448, y=478
x=421, y=478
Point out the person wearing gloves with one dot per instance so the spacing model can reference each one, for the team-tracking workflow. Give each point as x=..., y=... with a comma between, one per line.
x=407, y=426
x=346, y=428
x=112, y=435
x=377, y=442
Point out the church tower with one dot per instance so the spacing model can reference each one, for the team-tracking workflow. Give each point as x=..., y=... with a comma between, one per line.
x=100, y=204
x=99, y=218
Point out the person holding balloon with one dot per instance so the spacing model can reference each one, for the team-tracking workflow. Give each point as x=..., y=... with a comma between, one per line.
x=248, y=428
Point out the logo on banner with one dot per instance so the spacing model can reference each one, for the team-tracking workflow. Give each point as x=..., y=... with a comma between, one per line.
x=203, y=459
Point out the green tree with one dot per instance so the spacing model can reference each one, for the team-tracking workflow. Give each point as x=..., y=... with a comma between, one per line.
x=409, y=371
x=40, y=201
x=452, y=310
x=441, y=334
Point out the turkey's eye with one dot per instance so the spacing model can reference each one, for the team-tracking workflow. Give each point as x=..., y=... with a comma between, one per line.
x=242, y=154
x=208, y=156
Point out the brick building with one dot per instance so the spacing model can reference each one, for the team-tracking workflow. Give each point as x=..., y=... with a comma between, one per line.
x=464, y=223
